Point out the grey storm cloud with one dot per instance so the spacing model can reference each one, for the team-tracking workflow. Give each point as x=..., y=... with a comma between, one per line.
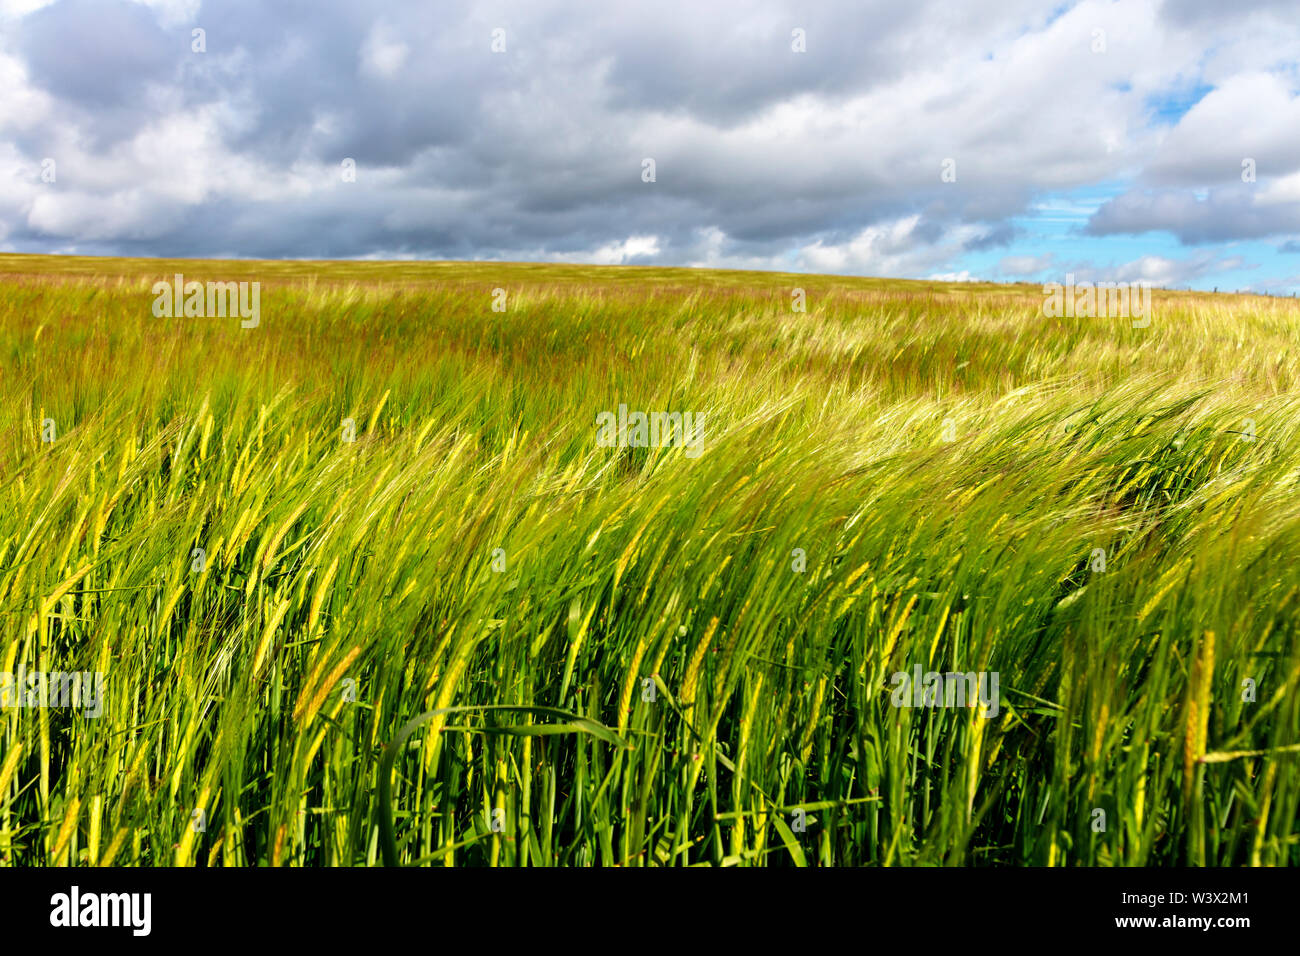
x=97, y=55
x=461, y=152
x=1224, y=215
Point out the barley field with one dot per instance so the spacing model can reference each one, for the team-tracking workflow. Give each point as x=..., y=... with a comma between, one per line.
x=364, y=588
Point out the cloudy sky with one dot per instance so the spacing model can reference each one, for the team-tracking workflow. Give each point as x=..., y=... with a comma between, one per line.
x=1113, y=140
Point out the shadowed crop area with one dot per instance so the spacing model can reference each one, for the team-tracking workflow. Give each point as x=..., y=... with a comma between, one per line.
x=278, y=546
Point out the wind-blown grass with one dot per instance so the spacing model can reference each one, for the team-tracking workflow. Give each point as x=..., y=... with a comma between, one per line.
x=682, y=691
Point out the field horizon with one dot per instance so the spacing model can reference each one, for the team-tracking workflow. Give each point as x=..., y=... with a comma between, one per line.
x=16, y=264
